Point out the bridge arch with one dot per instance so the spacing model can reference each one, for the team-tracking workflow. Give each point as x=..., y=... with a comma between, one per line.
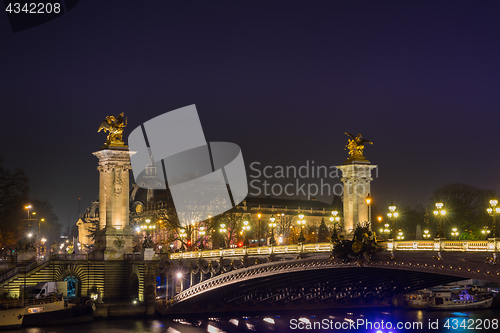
x=408, y=271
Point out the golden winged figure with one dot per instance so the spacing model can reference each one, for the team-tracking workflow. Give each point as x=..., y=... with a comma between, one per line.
x=356, y=145
x=114, y=126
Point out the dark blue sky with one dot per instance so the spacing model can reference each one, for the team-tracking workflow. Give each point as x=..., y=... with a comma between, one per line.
x=284, y=81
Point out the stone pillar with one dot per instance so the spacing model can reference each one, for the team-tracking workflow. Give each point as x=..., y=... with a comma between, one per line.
x=115, y=236
x=356, y=176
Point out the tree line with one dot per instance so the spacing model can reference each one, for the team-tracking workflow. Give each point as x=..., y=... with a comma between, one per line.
x=14, y=222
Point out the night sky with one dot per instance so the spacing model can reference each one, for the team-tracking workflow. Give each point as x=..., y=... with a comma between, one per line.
x=284, y=81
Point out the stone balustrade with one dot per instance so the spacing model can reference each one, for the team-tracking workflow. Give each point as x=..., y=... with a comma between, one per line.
x=489, y=245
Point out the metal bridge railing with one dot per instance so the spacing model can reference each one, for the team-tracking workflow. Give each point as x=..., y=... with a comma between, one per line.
x=489, y=245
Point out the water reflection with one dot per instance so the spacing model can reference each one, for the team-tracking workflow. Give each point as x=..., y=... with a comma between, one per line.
x=354, y=320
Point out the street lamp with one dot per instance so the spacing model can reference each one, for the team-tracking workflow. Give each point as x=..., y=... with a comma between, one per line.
x=486, y=232
x=493, y=210
x=182, y=233
x=392, y=215
x=272, y=225
x=335, y=219
x=454, y=232
x=426, y=234
x=147, y=227
x=400, y=235
x=28, y=207
x=385, y=230
x=439, y=213
x=40, y=220
x=201, y=233
x=301, y=222
x=369, y=203
x=222, y=230
x=245, y=228
x=259, y=215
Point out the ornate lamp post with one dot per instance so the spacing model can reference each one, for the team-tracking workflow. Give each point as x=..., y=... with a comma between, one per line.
x=147, y=227
x=426, y=234
x=42, y=248
x=486, y=232
x=182, y=234
x=392, y=215
x=385, y=230
x=493, y=210
x=148, y=243
x=400, y=236
x=301, y=222
x=201, y=233
x=439, y=213
x=335, y=219
x=259, y=215
x=454, y=233
x=28, y=207
x=245, y=228
x=40, y=220
x=369, y=203
x=222, y=231
x=272, y=225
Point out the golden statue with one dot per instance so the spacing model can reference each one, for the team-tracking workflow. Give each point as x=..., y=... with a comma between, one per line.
x=114, y=126
x=356, y=146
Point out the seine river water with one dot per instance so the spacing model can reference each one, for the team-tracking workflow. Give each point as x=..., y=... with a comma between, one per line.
x=355, y=320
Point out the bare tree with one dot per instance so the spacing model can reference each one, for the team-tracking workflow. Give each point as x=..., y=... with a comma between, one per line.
x=285, y=225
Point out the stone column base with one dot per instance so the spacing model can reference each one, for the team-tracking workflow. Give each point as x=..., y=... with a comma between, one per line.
x=114, y=243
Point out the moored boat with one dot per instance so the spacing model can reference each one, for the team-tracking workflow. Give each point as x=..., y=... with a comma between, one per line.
x=445, y=300
x=55, y=311
x=11, y=317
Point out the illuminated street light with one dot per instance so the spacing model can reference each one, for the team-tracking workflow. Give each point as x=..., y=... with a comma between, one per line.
x=493, y=210
x=245, y=228
x=272, y=225
x=454, y=232
x=40, y=220
x=392, y=215
x=301, y=222
x=148, y=227
x=369, y=203
x=439, y=213
x=400, y=235
x=335, y=219
x=222, y=230
x=28, y=207
x=202, y=233
x=259, y=215
x=426, y=234
x=179, y=277
x=486, y=232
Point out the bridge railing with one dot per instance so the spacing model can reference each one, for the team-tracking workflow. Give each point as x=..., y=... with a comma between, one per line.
x=69, y=256
x=489, y=245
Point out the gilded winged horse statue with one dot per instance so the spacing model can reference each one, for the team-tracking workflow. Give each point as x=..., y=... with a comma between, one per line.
x=356, y=146
x=114, y=126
